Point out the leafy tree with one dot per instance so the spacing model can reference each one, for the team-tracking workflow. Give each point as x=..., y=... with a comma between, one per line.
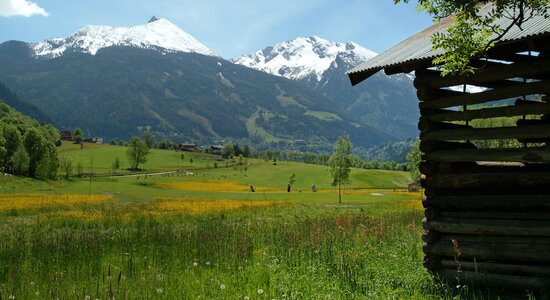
x=165, y=144
x=469, y=35
x=66, y=166
x=413, y=159
x=3, y=152
x=291, y=181
x=228, y=151
x=20, y=161
x=137, y=152
x=78, y=136
x=13, y=139
x=340, y=164
x=79, y=169
x=116, y=164
x=149, y=138
x=49, y=164
x=246, y=151
x=36, y=148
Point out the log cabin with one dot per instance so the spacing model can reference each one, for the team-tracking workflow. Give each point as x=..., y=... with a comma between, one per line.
x=485, y=143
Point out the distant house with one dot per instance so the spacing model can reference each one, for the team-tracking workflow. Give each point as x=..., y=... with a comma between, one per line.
x=189, y=147
x=216, y=149
x=94, y=140
x=66, y=135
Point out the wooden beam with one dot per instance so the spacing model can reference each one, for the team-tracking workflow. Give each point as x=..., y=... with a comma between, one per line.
x=535, y=228
x=493, y=112
x=491, y=202
x=512, y=132
x=532, y=253
x=427, y=94
x=526, y=155
x=431, y=146
x=489, y=180
x=510, y=215
x=468, y=238
x=530, y=88
x=495, y=280
x=427, y=126
x=495, y=72
x=492, y=267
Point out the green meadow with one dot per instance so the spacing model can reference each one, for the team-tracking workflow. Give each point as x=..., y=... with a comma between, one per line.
x=200, y=233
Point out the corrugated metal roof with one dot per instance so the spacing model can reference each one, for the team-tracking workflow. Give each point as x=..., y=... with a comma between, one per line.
x=419, y=46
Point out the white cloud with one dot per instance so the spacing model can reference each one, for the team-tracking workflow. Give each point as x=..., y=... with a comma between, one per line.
x=9, y=8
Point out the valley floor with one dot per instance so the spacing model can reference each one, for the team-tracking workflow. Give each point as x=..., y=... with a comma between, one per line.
x=203, y=234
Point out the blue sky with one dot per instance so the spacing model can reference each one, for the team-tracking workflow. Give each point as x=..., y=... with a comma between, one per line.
x=230, y=28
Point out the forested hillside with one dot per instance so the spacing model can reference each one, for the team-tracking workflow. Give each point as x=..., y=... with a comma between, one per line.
x=27, y=147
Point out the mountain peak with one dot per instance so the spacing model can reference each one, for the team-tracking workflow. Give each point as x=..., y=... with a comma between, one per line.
x=153, y=19
x=304, y=57
x=158, y=33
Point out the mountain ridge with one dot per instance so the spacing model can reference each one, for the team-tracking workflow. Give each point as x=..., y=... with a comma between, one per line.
x=301, y=57
x=112, y=89
x=157, y=33
x=388, y=103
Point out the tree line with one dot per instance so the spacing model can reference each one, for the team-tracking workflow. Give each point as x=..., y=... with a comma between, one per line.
x=323, y=159
x=27, y=148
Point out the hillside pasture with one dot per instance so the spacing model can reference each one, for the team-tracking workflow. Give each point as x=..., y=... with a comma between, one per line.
x=204, y=234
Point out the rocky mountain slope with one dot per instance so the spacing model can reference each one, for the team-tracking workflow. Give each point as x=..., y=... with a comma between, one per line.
x=114, y=86
x=158, y=33
x=386, y=102
x=115, y=82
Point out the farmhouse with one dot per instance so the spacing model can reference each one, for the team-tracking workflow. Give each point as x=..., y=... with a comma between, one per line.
x=486, y=155
x=189, y=147
x=66, y=135
x=95, y=140
x=216, y=149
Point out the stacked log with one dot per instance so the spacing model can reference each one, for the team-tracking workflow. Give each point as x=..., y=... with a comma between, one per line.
x=487, y=210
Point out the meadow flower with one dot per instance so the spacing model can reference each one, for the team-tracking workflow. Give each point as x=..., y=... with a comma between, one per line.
x=260, y=291
x=195, y=264
x=222, y=286
x=37, y=293
x=207, y=263
x=246, y=298
x=11, y=297
x=159, y=291
x=87, y=297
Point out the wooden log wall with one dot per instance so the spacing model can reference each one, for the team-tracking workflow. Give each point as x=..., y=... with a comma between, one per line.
x=487, y=209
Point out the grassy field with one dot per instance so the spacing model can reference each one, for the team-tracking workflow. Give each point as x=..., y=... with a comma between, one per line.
x=206, y=236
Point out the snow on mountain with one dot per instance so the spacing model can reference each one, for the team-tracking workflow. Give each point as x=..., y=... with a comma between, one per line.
x=157, y=33
x=304, y=57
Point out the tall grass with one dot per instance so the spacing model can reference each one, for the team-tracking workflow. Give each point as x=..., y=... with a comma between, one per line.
x=309, y=252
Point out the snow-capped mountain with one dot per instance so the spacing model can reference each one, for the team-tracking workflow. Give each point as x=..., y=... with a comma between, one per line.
x=386, y=102
x=304, y=57
x=157, y=33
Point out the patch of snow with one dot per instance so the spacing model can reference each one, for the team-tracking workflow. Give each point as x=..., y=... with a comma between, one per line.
x=158, y=33
x=304, y=57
